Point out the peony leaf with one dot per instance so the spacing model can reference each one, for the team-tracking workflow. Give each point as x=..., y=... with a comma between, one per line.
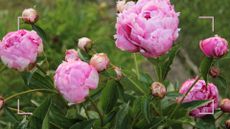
x=121, y=117
x=145, y=103
x=207, y=121
x=195, y=104
x=205, y=66
x=83, y=125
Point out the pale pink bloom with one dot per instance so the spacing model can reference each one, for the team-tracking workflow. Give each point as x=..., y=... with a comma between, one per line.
x=214, y=47
x=20, y=49
x=200, y=92
x=100, y=61
x=30, y=15
x=158, y=90
x=225, y=105
x=71, y=55
x=149, y=27
x=84, y=43
x=74, y=79
x=122, y=5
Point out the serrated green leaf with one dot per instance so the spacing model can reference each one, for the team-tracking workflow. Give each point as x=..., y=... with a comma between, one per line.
x=83, y=125
x=205, y=66
x=109, y=96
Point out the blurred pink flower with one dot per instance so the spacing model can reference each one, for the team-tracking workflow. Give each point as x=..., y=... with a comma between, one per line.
x=100, y=61
x=20, y=49
x=214, y=47
x=200, y=92
x=149, y=27
x=30, y=15
x=74, y=79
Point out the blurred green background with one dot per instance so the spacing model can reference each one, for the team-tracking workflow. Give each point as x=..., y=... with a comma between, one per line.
x=65, y=21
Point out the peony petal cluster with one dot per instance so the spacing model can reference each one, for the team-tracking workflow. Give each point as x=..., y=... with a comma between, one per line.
x=148, y=26
x=74, y=78
x=200, y=92
x=214, y=47
x=20, y=49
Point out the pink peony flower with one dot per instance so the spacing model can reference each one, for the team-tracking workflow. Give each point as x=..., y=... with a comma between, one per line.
x=214, y=47
x=149, y=27
x=20, y=49
x=30, y=15
x=74, y=79
x=100, y=61
x=225, y=105
x=200, y=92
x=84, y=43
x=71, y=55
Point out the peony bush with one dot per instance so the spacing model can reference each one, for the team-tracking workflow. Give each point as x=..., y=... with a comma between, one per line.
x=89, y=91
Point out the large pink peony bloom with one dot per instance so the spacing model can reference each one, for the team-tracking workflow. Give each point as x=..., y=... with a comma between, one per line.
x=19, y=49
x=214, y=47
x=75, y=78
x=149, y=27
x=201, y=92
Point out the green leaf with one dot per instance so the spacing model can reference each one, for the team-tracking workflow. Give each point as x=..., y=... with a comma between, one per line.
x=145, y=102
x=45, y=123
x=222, y=85
x=10, y=114
x=195, y=104
x=83, y=55
x=109, y=96
x=40, y=31
x=83, y=125
x=204, y=122
x=121, y=115
x=205, y=66
x=23, y=124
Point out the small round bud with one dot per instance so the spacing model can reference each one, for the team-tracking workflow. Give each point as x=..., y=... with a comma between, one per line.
x=227, y=124
x=214, y=72
x=118, y=72
x=84, y=43
x=30, y=15
x=71, y=55
x=1, y=102
x=100, y=61
x=158, y=90
x=225, y=105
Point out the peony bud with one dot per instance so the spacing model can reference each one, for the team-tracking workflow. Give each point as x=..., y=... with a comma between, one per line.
x=214, y=47
x=1, y=102
x=227, y=124
x=71, y=55
x=100, y=61
x=214, y=72
x=84, y=43
x=225, y=105
x=30, y=15
x=118, y=72
x=158, y=89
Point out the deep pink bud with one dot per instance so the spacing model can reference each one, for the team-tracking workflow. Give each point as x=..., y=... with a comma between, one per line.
x=20, y=49
x=214, y=72
x=200, y=91
x=214, y=47
x=71, y=55
x=158, y=90
x=30, y=15
x=74, y=79
x=100, y=61
x=118, y=72
x=225, y=105
x=227, y=124
x=84, y=43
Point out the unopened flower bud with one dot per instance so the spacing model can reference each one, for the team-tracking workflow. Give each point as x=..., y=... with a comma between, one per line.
x=84, y=43
x=30, y=15
x=227, y=124
x=1, y=102
x=71, y=55
x=100, y=61
x=214, y=72
x=118, y=72
x=225, y=105
x=158, y=90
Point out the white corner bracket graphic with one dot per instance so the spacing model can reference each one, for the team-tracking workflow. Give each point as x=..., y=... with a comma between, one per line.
x=209, y=18
x=209, y=113
x=22, y=113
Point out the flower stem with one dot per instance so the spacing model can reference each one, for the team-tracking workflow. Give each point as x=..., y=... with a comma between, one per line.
x=26, y=92
x=177, y=106
x=97, y=110
x=136, y=65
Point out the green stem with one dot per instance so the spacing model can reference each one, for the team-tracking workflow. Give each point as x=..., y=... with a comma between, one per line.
x=136, y=65
x=97, y=110
x=177, y=106
x=26, y=92
x=135, y=84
